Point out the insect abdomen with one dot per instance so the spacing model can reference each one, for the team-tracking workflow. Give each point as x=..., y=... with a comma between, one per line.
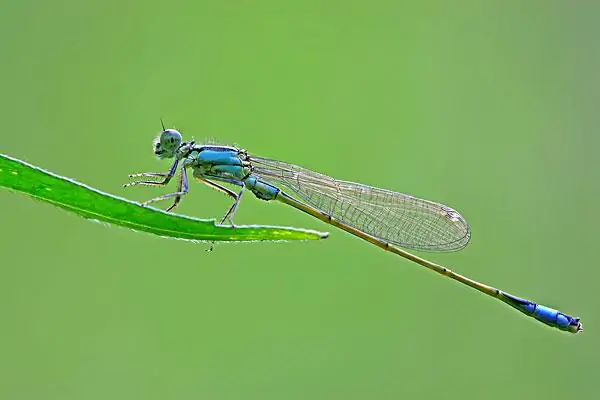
x=262, y=190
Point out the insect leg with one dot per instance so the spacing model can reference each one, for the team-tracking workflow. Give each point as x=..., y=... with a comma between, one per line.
x=225, y=190
x=183, y=182
x=236, y=196
x=231, y=212
x=218, y=187
x=182, y=189
x=165, y=181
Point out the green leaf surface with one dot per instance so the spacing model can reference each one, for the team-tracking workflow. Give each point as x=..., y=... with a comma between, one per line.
x=95, y=205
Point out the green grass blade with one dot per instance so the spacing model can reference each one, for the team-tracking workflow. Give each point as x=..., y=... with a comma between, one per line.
x=93, y=204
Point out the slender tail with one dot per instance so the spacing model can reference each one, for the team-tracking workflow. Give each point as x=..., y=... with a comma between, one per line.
x=546, y=315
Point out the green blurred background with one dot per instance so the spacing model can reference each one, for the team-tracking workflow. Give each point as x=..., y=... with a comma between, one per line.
x=490, y=107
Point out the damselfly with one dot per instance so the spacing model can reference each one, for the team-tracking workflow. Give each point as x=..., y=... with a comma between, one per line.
x=387, y=219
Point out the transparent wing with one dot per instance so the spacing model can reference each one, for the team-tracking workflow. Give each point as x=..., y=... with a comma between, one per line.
x=394, y=217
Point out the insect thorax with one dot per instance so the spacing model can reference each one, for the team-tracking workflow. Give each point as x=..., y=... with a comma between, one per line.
x=218, y=163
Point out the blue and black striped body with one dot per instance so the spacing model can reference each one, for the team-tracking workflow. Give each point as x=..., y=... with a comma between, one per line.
x=547, y=315
x=234, y=166
x=229, y=165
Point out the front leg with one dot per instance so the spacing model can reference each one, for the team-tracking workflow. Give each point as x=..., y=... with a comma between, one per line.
x=182, y=189
x=165, y=181
x=183, y=183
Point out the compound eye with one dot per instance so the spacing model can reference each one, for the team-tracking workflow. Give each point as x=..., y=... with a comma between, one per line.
x=171, y=137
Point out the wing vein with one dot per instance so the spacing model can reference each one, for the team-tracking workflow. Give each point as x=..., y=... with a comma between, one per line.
x=400, y=219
